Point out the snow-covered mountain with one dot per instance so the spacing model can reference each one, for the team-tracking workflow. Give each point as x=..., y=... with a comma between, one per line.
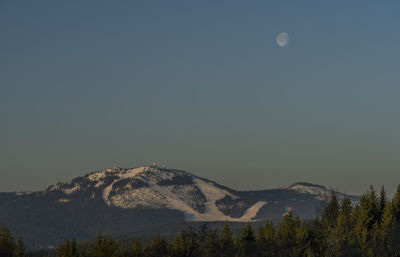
x=120, y=200
x=157, y=188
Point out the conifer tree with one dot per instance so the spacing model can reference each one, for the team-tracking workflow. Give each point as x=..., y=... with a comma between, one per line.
x=63, y=249
x=288, y=230
x=302, y=235
x=342, y=233
x=317, y=239
x=104, y=248
x=21, y=249
x=158, y=248
x=186, y=244
x=202, y=234
x=7, y=245
x=331, y=211
x=68, y=249
x=382, y=203
x=266, y=239
x=377, y=232
x=388, y=231
x=287, y=234
x=236, y=242
x=135, y=250
x=211, y=246
x=396, y=204
x=247, y=246
x=395, y=233
x=147, y=251
x=226, y=244
x=329, y=220
x=366, y=220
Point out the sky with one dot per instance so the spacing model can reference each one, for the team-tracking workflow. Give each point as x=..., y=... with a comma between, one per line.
x=204, y=87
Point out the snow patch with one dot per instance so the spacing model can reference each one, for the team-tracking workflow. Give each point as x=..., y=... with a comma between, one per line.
x=320, y=192
x=55, y=187
x=72, y=190
x=122, y=200
x=23, y=193
x=142, y=197
x=106, y=192
x=212, y=213
x=96, y=176
x=99, y=184
x=253, y=210
x=133, y=172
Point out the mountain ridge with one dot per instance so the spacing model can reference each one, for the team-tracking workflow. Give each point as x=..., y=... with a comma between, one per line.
x=119, y=200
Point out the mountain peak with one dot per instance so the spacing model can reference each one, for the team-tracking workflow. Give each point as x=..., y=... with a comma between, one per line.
x=306, y=184
x=321, y=192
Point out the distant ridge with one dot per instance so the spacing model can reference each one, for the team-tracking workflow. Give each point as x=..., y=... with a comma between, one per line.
x=119, y=200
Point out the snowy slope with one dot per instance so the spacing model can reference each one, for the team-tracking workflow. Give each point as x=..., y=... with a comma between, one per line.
x=319, y=192
x=156, y=188
x=153, y=187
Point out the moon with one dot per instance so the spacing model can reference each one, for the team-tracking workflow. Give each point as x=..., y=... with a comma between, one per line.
x=282, y=39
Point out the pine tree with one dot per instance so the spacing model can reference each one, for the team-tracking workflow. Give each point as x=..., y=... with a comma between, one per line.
x=395, y=233
x=386, y=232
x=147, y=251
x=226, y=244
x=377, y=234
x=74, y=250
x=211, y=246
x=203, y=233
x=389, y=230
x=186, y=244
x=135, y=250
x=158, y=248
x=331, y=211
x=329, y=220
x=236, y=242
x=317, y=239
x=7, y=245
x=287, y=234
x=68, y=249
x=343, y=239
x=366, y=222
x=266, y=239
x=382, y=203
x=21, y=249
x=247, y=246
x=104, y=248
x=63, y=249
x=292, y=236
x=396, y=204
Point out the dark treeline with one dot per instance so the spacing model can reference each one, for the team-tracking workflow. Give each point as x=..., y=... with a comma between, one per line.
x=371, y=228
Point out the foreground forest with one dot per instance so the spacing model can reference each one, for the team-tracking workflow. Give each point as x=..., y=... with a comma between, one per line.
x=371, y=228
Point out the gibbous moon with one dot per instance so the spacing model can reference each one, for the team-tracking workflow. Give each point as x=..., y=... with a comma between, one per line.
x=282, y=39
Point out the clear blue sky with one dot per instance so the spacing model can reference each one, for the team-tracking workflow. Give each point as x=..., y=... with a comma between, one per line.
x=201, y=86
